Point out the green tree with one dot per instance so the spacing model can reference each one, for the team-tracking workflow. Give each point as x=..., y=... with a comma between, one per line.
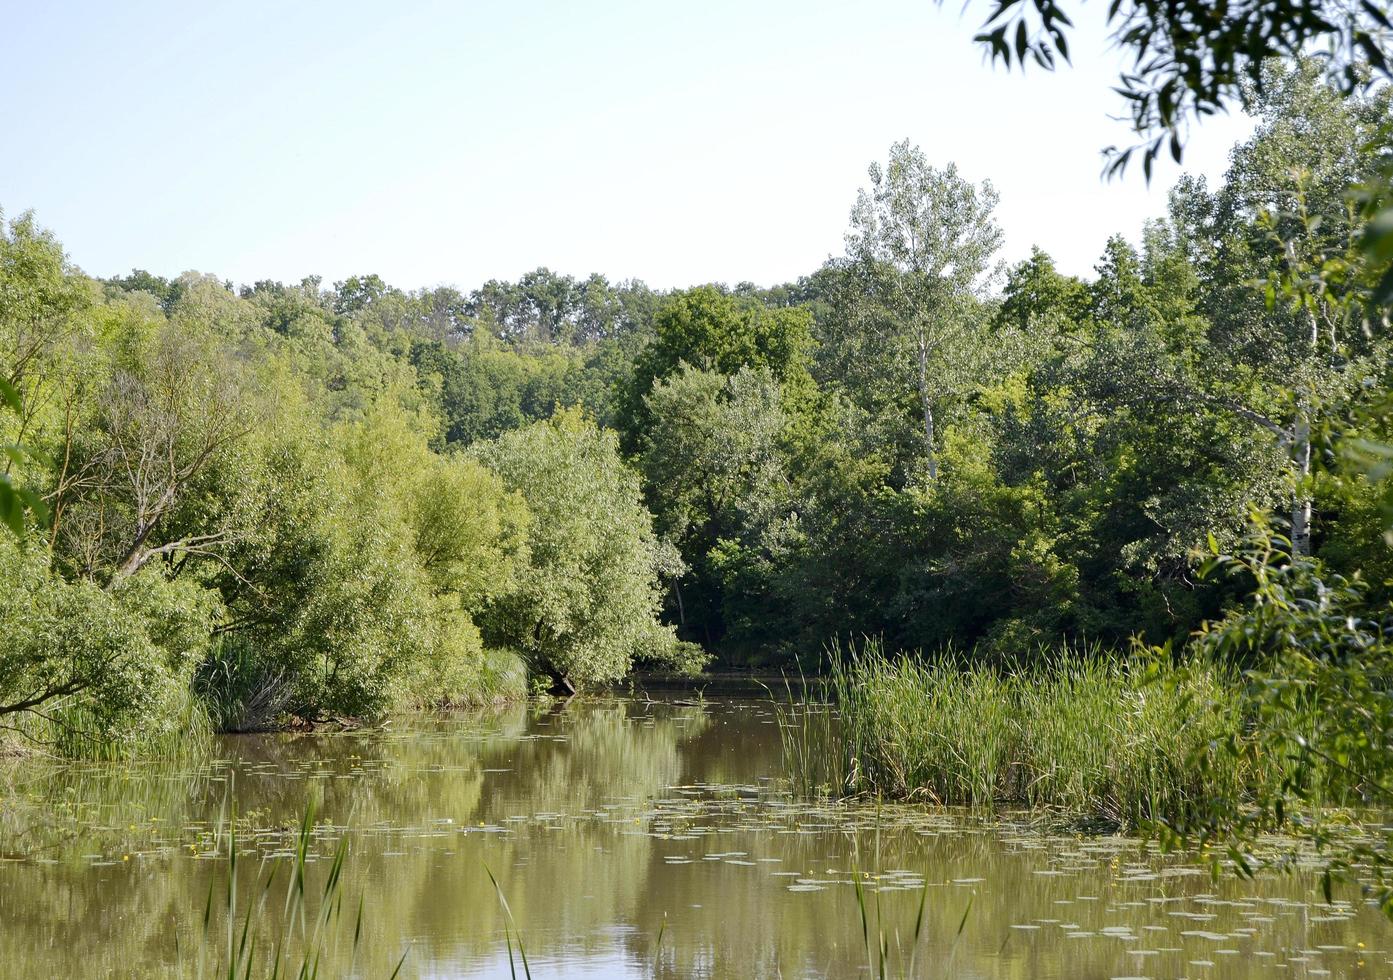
x=922, y=242
x=1287, y=360
x=716, y=470
x=86, y=671
x=709, y=329
x=1036, y=296
x=587, y=605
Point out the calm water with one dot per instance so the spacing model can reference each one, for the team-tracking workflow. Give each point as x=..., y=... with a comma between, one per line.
x=603, y=820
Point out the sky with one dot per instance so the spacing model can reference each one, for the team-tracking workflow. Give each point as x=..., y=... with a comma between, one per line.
x=451, y=143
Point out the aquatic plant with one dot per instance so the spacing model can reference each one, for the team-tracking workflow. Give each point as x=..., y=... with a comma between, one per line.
x=315, y=934
x=510, y=930
x=1083, y=732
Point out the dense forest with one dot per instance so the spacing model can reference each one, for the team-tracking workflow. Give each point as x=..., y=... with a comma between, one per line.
x=295, y=501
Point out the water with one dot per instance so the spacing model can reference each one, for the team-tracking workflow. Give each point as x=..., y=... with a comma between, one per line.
x=611, y=823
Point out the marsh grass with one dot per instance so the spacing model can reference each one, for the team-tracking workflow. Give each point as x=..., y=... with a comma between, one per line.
x=72, y=729
x=1123, y=741
x=245, y=937
x=883, y=941
x=810, y=740
x=243, y=692
x=511, y=931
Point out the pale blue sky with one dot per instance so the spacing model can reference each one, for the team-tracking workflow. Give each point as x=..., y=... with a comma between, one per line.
x=454, y=142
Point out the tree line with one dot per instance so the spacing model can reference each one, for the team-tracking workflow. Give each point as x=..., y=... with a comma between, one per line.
x=298, y=500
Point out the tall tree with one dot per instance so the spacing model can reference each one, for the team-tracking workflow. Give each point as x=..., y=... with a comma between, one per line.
x=1289, y=355
x=707, y=328
x=586, y=607
x=716, y=476
x=922, y=241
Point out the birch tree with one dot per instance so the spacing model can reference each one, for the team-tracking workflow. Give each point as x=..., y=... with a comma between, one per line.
x=1287, y=354
x=922, y=241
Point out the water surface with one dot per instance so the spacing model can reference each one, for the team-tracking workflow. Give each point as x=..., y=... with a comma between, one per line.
x=633, y=838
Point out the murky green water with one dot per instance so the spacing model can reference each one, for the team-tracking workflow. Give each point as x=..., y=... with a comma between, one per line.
x=603, y=820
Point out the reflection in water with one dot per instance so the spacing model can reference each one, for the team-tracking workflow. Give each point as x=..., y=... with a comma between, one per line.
x=603, y=819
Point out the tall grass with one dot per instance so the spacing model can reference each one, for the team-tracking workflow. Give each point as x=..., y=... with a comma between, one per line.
x=510, y=931
x=241, y=689
x=74, y=729
x=1098, y=736
x=809, y=732
x=254, y=939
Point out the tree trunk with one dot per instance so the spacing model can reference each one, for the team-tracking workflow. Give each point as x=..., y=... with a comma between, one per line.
x=561, y=685
x=131, y=563
x=927, y=404
x=1301, y=502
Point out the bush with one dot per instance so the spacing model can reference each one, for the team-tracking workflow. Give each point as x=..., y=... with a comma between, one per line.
x=96, y=673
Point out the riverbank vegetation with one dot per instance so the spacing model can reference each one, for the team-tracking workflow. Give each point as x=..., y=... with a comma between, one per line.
x=259, y=503
x=1113, y=741
x=246, y=516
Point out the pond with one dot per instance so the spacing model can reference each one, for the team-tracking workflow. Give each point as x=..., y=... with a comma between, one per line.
x=632, y=837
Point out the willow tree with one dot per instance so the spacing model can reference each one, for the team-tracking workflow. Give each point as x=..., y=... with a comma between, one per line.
x=922, y=242
x=586, y=606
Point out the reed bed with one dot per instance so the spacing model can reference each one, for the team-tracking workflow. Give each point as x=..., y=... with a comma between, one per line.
x=1124, y=741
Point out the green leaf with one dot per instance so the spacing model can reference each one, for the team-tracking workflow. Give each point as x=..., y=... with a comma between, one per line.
x=11, y=510
x=10, y=395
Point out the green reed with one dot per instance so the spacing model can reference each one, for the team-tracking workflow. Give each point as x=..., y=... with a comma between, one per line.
x=510, y=930
x=809, y=736
x=886, y=958
x=1086, y=733
x=74, y=729
x=305, y=937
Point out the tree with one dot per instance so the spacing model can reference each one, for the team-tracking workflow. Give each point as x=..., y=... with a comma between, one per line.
x=357, y=293
x=1287, y=356
x=1038, y=297
x=716, y=475
x=922, y=241
x=162, y=419
x=707, y=328
x=586, y=606
x=545, y=307
x=41, y=306
x=1317, y=659
x=82, y=669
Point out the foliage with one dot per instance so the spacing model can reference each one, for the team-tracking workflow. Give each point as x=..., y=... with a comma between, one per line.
x=1318, y=659
x=586, y=607
x=714, y=462
x=921, y=246
x=14, y=502
x=89, y=672
x=1091, y=735
x=357, y=497
x=1191, y=60
x=711, y=330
